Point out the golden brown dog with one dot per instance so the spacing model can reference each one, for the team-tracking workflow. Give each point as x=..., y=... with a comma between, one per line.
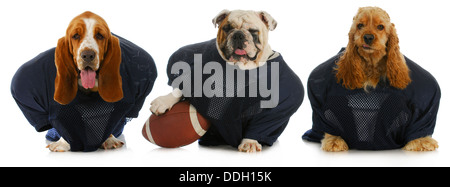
x=373, y=54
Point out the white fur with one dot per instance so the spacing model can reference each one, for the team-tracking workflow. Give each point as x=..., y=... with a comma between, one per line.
x=244, y=20
x=59, y=146
x=112, y=143
x=249, y=146
x=165, y=102
x=89, y=42
x=62, y=146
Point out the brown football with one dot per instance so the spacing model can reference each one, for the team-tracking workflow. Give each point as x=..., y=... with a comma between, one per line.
x=179, y=126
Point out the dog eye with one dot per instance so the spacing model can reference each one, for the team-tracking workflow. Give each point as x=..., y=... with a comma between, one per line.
x=76, y=36
x=253, y=31
x=380, y=27
x=99, y=36
x=226, y=28
x=360, y=26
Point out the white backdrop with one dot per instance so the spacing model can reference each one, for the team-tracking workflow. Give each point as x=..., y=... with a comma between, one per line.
x=308, y=33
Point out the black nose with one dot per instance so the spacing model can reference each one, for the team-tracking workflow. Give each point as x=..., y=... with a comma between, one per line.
x=239, y=39
x=88, y=55
x=368, y=38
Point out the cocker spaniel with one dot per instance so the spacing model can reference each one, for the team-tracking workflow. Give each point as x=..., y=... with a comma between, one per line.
x=373, y=55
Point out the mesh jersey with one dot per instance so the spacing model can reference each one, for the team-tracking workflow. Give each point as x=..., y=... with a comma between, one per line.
x=384, y=118
x=236, y=117
x=87, y=121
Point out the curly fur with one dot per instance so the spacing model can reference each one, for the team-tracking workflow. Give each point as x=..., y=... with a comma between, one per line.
x=364, y=64
x=362, y=68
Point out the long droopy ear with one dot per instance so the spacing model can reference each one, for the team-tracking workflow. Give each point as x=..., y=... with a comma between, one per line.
x=396, y=69
x=349, y=69
x=66, y=74
x=109, y=79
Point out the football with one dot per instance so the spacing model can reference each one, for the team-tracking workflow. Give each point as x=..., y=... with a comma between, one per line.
x=178, y=127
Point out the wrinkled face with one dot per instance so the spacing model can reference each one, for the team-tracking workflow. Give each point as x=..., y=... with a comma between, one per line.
x=88, y=35
x=371, y=28
x=242, y=36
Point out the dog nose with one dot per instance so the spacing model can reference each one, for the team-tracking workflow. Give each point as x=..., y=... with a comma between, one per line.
x=88, y=55
x=239, y=39
x=239, y=35
x=368, y=38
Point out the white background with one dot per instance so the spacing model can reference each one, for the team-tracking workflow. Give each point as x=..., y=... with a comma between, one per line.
x=308, y=33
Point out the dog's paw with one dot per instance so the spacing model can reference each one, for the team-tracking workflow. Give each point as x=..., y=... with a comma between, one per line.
x=422, y=144
x=332, y=143
x=163, y=103
x=249, y=145
x=159, y=105
x=59, y=146
x=112, y=143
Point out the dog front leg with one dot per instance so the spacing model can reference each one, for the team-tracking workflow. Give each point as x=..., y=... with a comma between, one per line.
x=333, y=143
x=163, y=103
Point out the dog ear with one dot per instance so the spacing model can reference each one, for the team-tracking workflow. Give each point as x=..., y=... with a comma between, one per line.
x=109, y=79
x=66, y=74
x=349, y=69
x=220, y=17
x=396, y=69
x=268, y=20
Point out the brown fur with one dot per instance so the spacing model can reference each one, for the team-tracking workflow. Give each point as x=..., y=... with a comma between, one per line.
x=221, y=35
x=333, y=143
x=358, y=68
x=421, y=144
x=66, y=81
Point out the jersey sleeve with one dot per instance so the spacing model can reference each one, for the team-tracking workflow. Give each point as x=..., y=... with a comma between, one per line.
x=141, y=70
x=267, y=126
x=318, y=82
x=425, y=93
x=31, y=91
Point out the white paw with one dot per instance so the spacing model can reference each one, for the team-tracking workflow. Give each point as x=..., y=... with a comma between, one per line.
x=112, y=143
x=163, y=103
x=249, y=145
x=59, y=146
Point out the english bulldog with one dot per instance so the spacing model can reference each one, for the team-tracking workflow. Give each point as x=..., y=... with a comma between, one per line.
x=242, y=41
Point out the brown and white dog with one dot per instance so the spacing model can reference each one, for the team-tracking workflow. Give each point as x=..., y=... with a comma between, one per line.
x=242, y=40
x=87, y=58
x=373, y=54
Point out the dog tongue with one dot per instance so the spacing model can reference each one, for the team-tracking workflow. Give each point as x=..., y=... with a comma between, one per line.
x=240, y=52
x=88, y=78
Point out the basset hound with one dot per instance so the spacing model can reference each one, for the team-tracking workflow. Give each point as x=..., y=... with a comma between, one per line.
x=88, y=58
